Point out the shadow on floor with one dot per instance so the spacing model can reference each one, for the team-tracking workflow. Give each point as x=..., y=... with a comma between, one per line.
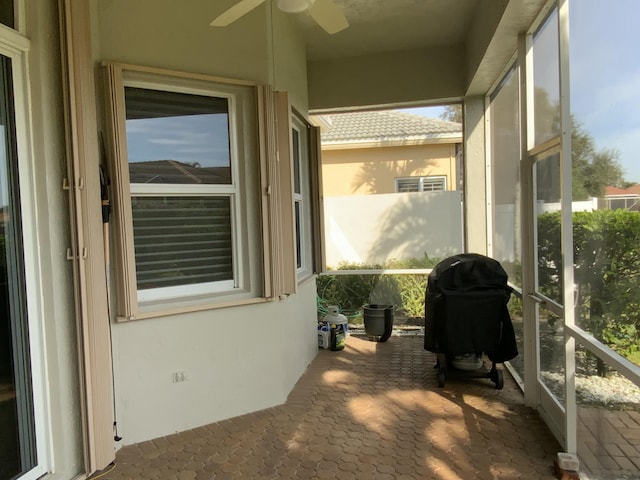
x=371, y=411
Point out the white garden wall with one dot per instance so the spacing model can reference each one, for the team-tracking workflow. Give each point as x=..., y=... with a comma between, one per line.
x=375, y=228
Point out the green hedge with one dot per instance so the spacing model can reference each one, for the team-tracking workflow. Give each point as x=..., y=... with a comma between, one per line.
x=606, y=273
x=351, y=292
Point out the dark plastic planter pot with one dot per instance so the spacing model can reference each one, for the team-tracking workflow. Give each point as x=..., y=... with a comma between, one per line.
x=378, y=321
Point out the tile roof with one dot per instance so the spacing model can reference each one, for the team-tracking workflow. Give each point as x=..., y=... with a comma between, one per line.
x=386, y=126
x=175, y=172
x=633, y=190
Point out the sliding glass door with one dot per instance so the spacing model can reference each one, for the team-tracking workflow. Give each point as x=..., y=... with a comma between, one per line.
x=17, y=424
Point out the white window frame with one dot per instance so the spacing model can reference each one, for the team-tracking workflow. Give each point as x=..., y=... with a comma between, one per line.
x=246, y=286
x=421, y=180
x=16, y=47
x=303, y=198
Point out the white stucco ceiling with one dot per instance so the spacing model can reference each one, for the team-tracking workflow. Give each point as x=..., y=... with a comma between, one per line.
x=390, y=25
x=485, y=31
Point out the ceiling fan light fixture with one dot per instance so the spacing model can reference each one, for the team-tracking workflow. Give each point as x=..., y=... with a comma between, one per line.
x=294, y=6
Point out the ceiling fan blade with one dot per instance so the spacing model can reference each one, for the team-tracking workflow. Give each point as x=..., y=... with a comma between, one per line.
x=328, y=16
x=234, y=13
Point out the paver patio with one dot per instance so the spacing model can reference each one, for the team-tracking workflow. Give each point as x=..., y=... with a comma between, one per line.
x=371, y=411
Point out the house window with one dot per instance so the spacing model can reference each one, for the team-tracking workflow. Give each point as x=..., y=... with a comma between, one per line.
x=421, y=184
x=301, y=196
x=7, y=13
x=181, y=192
x=17, y=431
x=188, y=171
x=24, y=434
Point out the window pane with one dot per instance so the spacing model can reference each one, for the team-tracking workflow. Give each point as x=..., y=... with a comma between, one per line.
x=547, y=177
x=546, y=81
x=182, y=240
x=433, y=184
x=552, y=352
x=603, y=39
x=408, y=185
x=607, y=277
x=605, y=73
x=515, y=310
x=17, y=435
x=505, y=167
x=177, y=138
x=7, y=15
x=298, y=235
x=296, y=160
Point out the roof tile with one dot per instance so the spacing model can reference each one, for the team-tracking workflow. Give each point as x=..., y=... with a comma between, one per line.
x=386, y=125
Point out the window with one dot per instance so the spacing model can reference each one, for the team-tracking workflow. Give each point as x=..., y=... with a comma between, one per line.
x=421, y=184
x=7, y=13
x=504, y=132
x=186, y=167
x=15, y=370
x=181, y=192
x=24, y=430
x=301, y=195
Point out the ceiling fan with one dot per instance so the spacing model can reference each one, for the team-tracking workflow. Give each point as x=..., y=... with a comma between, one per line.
x=324, y=12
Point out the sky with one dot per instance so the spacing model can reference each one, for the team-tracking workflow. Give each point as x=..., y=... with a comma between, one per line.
x=432, y=112
x=201, y=139
x=605, y=76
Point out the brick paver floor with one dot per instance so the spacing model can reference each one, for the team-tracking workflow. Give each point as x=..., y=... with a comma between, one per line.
x=609, y=442
x=372, y=411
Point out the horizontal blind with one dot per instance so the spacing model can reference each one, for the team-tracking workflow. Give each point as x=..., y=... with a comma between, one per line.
x=147, y=103
x=182, y=240
x=433, y=184
x=408, y=185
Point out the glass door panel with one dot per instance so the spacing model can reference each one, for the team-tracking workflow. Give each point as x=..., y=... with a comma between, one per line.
x=552, y=352
x=17, y=437
x=546, y=85
x=544, y=153
x=547, y=212
x=549, y=287
x=605, y=151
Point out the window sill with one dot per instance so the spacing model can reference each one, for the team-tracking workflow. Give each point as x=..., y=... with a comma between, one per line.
x=160, y=311
x=302, y=281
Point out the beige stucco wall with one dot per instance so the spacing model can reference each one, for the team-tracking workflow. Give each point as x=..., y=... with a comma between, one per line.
x=173, y=35
x=237, y=359
x=387, y=78
x=390, y=226
x=366, y=171
x=475, y=185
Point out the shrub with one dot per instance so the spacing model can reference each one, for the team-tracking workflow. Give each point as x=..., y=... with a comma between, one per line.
x=351, y=292
x=606, y=272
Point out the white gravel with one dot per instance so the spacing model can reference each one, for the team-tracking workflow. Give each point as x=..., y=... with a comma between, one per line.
x=615, y=390
x=610, y=391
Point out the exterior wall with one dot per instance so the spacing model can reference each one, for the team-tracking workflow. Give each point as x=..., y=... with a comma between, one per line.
x=165, y=34
x=395, y=226
x=387, y=78
x=374, y=170
x=236, y=360
x=289, y=61
x=475, y=187
x=239, y=359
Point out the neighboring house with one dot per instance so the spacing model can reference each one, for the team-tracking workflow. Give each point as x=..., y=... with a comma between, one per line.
x=173, y=171
x=389, y=151
x=388, y=154
x=621, y=198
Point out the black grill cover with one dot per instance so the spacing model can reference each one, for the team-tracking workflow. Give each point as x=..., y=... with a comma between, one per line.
x=466, y=308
